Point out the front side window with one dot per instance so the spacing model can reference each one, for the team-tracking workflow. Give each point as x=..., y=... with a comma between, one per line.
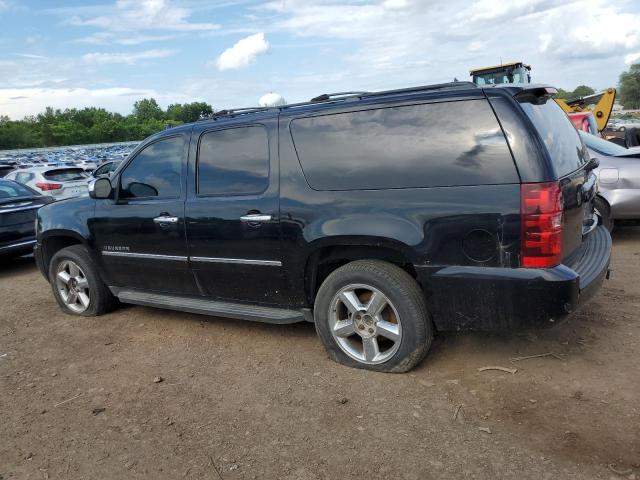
x=233, y=161
x=155, y=171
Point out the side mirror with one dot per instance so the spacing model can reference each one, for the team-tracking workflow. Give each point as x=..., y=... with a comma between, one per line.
x=100, y=188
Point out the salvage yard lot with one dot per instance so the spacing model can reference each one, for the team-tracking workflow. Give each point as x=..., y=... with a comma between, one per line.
x=80, y=398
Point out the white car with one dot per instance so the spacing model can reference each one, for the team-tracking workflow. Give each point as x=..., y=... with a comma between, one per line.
x=58, y=182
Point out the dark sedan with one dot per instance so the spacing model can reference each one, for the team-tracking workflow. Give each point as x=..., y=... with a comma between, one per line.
x=18, y=207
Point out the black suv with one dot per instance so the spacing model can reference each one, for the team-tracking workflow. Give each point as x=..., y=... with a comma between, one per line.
x=381, y=217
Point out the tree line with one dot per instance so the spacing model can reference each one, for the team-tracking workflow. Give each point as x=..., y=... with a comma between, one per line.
x=97, y=125
x=55, y=127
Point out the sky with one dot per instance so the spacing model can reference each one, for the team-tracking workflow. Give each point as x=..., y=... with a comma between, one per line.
x=110, y=53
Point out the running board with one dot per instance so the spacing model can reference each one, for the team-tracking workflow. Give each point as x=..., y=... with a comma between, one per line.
x=211, y=307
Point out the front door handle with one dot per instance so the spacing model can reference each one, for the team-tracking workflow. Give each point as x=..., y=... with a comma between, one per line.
x=165, y=219
x=256, y=218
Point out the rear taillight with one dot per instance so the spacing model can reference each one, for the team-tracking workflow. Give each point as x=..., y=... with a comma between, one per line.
x=541, y=218
x=45, y=187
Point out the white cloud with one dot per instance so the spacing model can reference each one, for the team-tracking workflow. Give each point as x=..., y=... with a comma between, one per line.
x=128, y=58
x=243, y=53
x=18, y=102
x=136, y=15
x=631, y=58
x=109, y=38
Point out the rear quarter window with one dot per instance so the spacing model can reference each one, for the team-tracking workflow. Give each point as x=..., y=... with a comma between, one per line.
x=564, y=145
x=428, y=145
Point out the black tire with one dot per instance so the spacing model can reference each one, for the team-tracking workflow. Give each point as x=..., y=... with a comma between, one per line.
x=604, y=213
x=405, y=295
x=101, y=299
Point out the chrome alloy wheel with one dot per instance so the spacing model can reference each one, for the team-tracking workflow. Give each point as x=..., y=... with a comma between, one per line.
x=365, y=324
x=73, y=286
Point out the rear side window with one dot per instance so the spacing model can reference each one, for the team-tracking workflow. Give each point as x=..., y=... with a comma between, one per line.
x=155, y=171
x=428, y=145
x=65, y=174
x=566, y=150
x=233, y=161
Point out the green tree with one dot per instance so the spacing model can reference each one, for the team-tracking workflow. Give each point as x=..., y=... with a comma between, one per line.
x=582, y=91
x=629, y=88
x=147, y=109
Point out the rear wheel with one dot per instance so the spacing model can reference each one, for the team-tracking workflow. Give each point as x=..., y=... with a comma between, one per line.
x=76, y=284
x=603, y=211
x=372, y=314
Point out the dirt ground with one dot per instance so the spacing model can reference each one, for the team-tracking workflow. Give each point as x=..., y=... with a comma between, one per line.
x=245, y=400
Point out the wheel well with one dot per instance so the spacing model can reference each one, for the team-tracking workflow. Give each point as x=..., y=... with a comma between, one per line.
x=325, y=260
x=52, y=245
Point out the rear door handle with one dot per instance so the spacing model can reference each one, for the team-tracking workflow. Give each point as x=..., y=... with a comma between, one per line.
x=164, y=219
x=256, y=218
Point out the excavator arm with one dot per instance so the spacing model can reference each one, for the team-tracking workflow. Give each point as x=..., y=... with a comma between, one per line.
x=603, y=106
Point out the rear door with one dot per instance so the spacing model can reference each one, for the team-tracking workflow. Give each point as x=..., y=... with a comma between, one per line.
x=72, y=182
x=569, y=158
x=233, y=212
x=18, y=207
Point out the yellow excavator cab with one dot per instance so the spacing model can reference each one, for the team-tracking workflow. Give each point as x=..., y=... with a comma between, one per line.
x=514, y=72
x=601, y=104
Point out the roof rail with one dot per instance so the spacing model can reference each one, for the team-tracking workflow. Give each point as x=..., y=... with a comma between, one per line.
x=234, y=111
x=335, y=97
x=328, y=96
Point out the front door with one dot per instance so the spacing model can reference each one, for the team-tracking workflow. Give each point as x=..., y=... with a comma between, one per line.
x=141, y=233
x=232, y=213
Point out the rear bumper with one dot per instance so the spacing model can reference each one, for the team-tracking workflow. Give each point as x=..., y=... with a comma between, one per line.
x=493, y=298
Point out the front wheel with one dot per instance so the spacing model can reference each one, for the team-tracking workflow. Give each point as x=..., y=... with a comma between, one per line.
x=76, y=285
x=371, y=314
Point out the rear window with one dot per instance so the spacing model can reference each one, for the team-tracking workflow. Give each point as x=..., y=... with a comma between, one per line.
x=428, y=145
x=566, y=150
x=65, y=174
x=12, y=189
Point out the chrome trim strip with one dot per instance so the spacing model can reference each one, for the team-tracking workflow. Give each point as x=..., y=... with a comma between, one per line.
x=241, y=261
x=21, y=244
x=150, y=256
x=20, y=209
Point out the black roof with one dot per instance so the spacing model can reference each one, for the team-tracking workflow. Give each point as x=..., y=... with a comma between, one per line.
x=329, y=100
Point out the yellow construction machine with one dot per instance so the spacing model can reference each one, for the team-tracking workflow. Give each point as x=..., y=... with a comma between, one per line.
x=600, y=104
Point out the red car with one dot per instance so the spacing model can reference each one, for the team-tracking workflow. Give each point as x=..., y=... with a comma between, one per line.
x=584, y=121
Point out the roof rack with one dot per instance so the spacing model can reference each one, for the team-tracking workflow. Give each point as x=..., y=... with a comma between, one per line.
x=234, y=111
x=328, y=96
x=336, y=97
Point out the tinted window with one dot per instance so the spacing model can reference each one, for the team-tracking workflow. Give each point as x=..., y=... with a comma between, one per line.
x=12, y=189
x=233, y=162
x=566, y=150
x=438, y=144
x=155, y=171
x=65, y=174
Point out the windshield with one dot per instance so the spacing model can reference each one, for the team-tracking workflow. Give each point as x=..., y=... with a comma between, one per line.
x=512, y=75
x=65, y=174
x=9, y=189
x=602, y=146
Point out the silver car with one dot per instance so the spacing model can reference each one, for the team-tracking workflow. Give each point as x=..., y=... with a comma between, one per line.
x=618, y=179
x=57, y=182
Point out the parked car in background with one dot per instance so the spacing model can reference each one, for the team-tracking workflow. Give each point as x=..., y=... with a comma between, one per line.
x=6, y=168
x=363, y=213
x=106, y=168
x=18, y=206
x=619, y=180
x=58, y=182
